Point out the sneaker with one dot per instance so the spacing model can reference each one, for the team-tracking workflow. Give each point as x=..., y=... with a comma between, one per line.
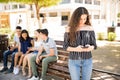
x=34, y=78
x=41, y=79
x=16, y=70
x=4, y=69
x=9, y=71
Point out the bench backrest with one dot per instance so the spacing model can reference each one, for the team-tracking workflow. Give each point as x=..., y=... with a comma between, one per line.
x=62, y=54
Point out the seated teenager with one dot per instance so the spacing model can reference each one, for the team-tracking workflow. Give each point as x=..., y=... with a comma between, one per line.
x=47, y=53
x=26, y=60
x=23, y=49
x=11, y=51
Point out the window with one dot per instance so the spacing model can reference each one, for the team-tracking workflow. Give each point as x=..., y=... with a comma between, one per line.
x=65, y=1
x=96, y=2
x=103, y=16
x=53, y=14
x=96, y=16
x=14, y=6
x=41, y=15
x=79, y=1
x=65, y=17
x=21, y=6
x=88, y=1
x=6, y=7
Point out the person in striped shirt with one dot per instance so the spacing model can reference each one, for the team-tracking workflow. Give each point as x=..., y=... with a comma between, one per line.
x=79, y=40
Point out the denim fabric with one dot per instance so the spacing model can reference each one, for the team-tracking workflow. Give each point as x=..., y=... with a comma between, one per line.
x=81, y=67
x=5, y=57
x=35, y=52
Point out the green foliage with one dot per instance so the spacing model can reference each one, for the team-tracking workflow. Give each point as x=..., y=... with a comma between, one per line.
x=4, y=1
x=118, y=15
x=11, y=36
x=45, y=3
x=111, y=36
x=5, y=31
x=41, y=3
x=100, y=36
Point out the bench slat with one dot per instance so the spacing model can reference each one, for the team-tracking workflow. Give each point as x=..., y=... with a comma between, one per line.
x=57, y=73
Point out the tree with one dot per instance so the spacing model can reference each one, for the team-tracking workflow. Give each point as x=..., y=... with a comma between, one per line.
x=38, y=4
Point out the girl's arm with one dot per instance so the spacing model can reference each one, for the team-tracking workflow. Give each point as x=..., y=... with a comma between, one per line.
x=19, y=47
x=75, y=49
x=32, y=42
x=30, y=49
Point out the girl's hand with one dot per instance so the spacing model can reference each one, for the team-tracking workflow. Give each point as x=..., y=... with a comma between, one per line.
x=32, y=49
x=88, y=48
x=27, y=52
x=29, y=48
x=79, y=48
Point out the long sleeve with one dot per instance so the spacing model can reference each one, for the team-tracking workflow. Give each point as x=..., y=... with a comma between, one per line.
x=66, y=41
x=93, y=39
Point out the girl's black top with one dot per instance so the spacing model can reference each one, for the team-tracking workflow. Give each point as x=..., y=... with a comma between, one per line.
x=83, y=38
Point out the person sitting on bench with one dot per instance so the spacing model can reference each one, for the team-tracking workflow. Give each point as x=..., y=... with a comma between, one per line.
x=47, y=53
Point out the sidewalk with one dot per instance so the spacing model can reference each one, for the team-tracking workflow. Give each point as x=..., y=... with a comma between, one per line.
x=11, y=76
x=107, y=56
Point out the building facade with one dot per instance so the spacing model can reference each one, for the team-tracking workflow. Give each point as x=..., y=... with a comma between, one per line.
x=15, y=14
x=103, y=14
x=101, y=11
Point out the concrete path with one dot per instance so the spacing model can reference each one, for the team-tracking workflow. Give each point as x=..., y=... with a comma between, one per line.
x=107, y=56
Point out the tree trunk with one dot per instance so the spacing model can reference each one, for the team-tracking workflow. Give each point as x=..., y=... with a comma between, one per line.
x=38, y=15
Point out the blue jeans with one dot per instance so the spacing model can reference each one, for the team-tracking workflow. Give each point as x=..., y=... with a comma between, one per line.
x=80, y=67
x=5, y=57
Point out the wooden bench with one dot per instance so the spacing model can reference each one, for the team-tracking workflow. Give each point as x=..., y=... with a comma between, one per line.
x=60, y=67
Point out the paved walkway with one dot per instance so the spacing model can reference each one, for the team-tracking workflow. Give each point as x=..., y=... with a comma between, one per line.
x=106, y=58
x=11, y=76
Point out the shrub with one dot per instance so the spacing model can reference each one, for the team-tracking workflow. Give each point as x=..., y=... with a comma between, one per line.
x=100, y=36
x=118, y=15
x=111, y=36
x=11, y=36
x=5, y=31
